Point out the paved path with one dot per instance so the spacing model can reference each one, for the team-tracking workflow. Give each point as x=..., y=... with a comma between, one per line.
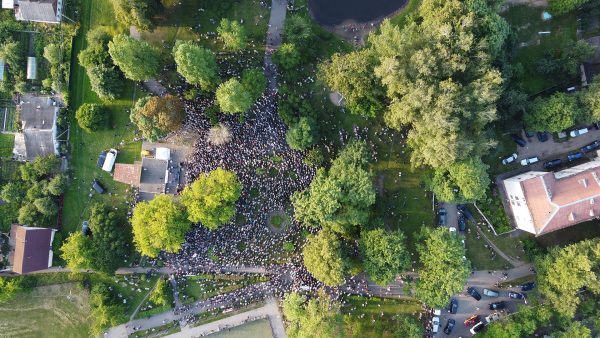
x=513, y=261
x=276, y=21
x=153, y=86
x=269, y=311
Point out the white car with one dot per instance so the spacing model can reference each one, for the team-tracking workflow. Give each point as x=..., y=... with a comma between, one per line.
x=492, y=317
x=435, y=324
x=578, y=132
x=509, y=159
x=528, y=161
x=490, y=293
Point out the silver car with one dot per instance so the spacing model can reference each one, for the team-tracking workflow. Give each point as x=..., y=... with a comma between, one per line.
x=509, y=159
x=528, y=161
x=491, y=293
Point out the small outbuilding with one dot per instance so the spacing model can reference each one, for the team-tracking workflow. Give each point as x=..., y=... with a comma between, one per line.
x=31, y=68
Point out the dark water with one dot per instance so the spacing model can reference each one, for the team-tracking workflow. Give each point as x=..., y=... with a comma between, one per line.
x=334, y=12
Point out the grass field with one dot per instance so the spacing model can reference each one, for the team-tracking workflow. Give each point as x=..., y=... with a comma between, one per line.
x=7, y=143
x=481, y=256
x=51, y=311
x=201, y=287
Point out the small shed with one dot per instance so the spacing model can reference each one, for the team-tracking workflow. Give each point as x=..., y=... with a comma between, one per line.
x=31, y=68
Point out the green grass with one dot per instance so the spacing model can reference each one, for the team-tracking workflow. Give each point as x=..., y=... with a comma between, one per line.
x=130, y=292
x=201, y=287
x=401, y=18
x=160, y=331
x=376, y=305
x=50, y=311
x=85, y=147
x=7, y=143
x=480, y=255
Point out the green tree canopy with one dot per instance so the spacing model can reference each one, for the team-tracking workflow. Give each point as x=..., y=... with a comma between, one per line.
x=92, y=117
x=555, y=113
x=464, y=181
x=111, y=238
x=53, y=54
x=318, y=317
x=444, y=269
x=105, y=78
x=156, y=116
x=233, y=97
x=353, y=76
x=254, y=81
x=564, y=271
x=558, y=7
x=8, y=288
x=384, y=254
x=590, y=99
x=211, y=199
x=324, y=259
x=341, y=198
x=137, y=59
x=76, y=251
x=302, y=135
x=134, y=13
x=233, y=34
x=287, y=56
x=160, y=224
x=196, y=64
x=298, y=31
x=161, y=295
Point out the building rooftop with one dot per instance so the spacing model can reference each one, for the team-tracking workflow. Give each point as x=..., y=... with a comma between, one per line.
x=38, y=117
x=48, y=11
x=128, y=173
x=31, y=248
x=153, y=177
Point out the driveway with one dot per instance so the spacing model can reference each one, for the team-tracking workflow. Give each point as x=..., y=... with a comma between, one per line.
x=550, y=149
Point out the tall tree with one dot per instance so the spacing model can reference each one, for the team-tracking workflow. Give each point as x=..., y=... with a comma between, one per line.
x=77, y=252
x=111, y=238
x=105, y=78
x=558, y=7
x=233, y=97
x=287, y=56
x=324, y=259
x=157, y=116
x=196, y=64
x=211, y=199
x=137, y=59
x=160, y=224
x=341, y=198
x=92, y=117
x=444, y=269
x=384, y=254
x=464, y=181
x=254, y=81
x=133, y=13
x=233, y=34
x=302, y=135
x=353, y=76
x=555, y=113
x=318, y=317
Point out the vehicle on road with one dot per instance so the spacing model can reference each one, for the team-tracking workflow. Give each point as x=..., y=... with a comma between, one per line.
x=435, y=324
x=471, y=320
x=527, y=286
x=462, y=224
x=518, y=140
x=477, y=328
x=516, y=295
x=465, y=211
x=528, y=161
x=578, y=132
x=497, y=305
x=491, y=318
x=473, y=293
x=542, y=137
x=442, y=216
x=510, y=159
x=575, y=156
x=453, y=306
x=491, y=293
x=449, y=326
x=592, y=146
x=552, y=163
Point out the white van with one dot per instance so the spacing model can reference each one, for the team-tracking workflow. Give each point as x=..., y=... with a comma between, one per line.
x=435, y=324
x=109, y=162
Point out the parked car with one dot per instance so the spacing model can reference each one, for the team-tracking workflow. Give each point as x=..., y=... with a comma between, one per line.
x=462, y=224
x=465, y=211
x=528, y=161
x=442, y=216
x=592, y=146
x=97, y=187
x=85, y=228
x=578, y=132
x=491, y=293
x=453, y=305
x=575, y=156
x=471, y=290
x=435, y=324
x=449, y=326
x=596, y=125
x=471, y=320
x=542, y=136
x=516, y=295
x=491, y=318
x=477, y=328
x=518, y=140
x=497, y=305
x=552, y=163
x=528, y=286
x=509, y=159
x=101, y=159
x=529, y=134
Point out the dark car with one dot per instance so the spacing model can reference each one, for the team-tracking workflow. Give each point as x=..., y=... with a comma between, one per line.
x=465, y=211
x=596, y=125
x=478, y=327
x=528, y=286
x=516, y=295
x=518, y=140
x=462, y=224
x=449, y=326
x=542, y=137
x=473, y=293
x=529, y=134
x=592, y=146
x=85, y=228
x=442, y=216
x=453, y=305
x=97, y=187
x=575, y=156
x=101, y=159
x=552, y=163
x=497, y=305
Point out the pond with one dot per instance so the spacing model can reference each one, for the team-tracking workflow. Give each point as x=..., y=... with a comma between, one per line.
x=336, y=12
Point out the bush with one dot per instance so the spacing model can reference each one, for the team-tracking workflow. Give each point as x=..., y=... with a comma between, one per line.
x=91, y=116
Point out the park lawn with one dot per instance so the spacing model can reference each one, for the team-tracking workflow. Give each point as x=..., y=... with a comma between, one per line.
x=130, y=292
x=479, y=255
x=160, y=331
x=202, y=287
x=7, y=143
x=85, y=147
x=376, y=305
x=50, y=311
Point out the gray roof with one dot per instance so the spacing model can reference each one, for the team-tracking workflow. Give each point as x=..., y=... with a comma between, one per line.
x=37, y=115
x=39, y=11
x=153, y=175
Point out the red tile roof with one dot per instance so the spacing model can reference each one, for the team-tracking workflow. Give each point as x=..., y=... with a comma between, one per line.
x=128, y=173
